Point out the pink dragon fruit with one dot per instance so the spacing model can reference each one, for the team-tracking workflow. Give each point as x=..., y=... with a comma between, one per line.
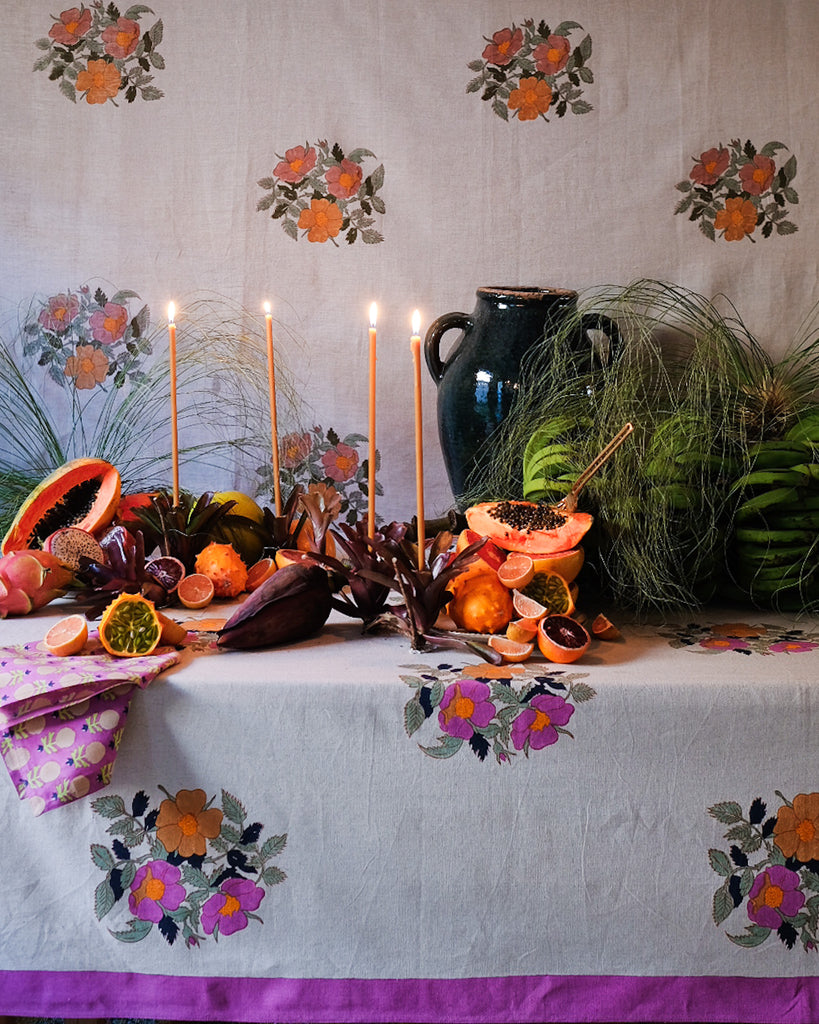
x=29, y=580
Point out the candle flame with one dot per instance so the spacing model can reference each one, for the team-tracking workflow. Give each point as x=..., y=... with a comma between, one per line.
x=416, y=322
x=171, y=312
x=267, y=308
x=373, y=314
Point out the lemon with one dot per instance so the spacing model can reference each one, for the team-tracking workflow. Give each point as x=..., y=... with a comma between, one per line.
x=245, y=505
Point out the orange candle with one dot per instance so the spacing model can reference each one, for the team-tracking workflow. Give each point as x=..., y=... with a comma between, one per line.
x=174, y=434
x=372, y=455
x=415, y=346
x=274, y=429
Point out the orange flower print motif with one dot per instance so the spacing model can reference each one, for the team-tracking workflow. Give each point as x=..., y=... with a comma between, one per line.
x=710, y=166
x=533, y=68
x=72, y=25
x=505, y=44
x=552, y=56
x=796, y=831
x=297, y=164
x=758, y=175
x=88, y=367
x=736, y=219
x=121, y=39
x=100, y=81
x=737, y=189
x=345, y=180
x=321, y=221
x=531, y=99
x=184, y=825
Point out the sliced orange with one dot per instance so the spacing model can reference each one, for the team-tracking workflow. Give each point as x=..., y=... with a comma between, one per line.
x=130, y=626
x=527, y=607
x=67, y=636
x=568, y=563
x=195, y=590
x=552, y=591
x=517, y=571
x=604, y=629
x=522, y=630
x=173, y=633
x=259, y=572
x=511, y=650
x=562, y=639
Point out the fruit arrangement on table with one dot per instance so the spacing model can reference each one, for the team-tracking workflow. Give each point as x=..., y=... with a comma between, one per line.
x=504, y=586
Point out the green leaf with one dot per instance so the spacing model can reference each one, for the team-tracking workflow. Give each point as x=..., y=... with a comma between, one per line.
x=357, y=155
x=127, y=873
x=104, y=899
x=447, y=747
x=377, y=178
x=68, y=90
x=770, y=148
x=473, y=65
x=109, y=806
x=581, y=107
x=102, y=857
x=581, y=692
x=810, y=880
x=722, y=905
x=746, y=882
x=474, y=85
x=789, y=169
x=755, y=936
x=273, y=875
x=193, y=876
x=720, y=863
x=586, y=75
x=150, y=92
x=564, y=28
x=156, y=33
x=230, y=835
x=786, y=227
x=272, y=846
x=232, y=808
x=500, y=109
x=134, y=12
x=414, y=716
x=137, y=930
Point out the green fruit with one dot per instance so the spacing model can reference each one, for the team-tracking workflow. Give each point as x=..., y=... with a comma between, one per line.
x=766, y=500
x=772, y=478
x=774, y=538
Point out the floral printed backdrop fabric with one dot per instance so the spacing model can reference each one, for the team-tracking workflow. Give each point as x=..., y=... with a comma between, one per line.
x=431, y=150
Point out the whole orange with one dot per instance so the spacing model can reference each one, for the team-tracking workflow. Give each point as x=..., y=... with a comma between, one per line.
x=480, y=602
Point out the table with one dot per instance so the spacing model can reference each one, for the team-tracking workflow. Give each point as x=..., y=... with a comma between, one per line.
x=364, y=860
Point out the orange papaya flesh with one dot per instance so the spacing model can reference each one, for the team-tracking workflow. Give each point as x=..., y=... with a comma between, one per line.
x=83, y=493
x=531, y=527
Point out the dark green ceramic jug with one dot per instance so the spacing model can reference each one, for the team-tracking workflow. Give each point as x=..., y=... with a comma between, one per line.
x=478, y=381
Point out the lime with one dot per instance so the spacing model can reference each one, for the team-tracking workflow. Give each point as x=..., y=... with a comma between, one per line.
x=130, y=626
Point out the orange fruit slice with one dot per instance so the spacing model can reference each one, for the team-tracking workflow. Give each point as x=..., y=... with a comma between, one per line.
x=567, y=563
x=603, y=629
x=562, y=639
x=517, y=571
x=552, y=591
x=511, y=650
x=259, y=572
x=522, y=630
x=130, y=626
x=195, y=590
x=527, y=607
x=67, y=636
x=173, y=633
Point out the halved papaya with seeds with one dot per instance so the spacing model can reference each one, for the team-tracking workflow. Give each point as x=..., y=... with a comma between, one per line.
x=528, y=526
x=82, y=493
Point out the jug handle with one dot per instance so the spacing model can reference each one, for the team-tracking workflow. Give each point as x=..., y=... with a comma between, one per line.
x=598, y=322
x=432, y=342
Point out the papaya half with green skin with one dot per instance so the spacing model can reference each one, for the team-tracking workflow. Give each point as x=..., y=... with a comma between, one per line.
x=83, y=493
x=531, y=527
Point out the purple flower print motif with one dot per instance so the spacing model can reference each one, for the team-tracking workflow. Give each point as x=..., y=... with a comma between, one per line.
x=536, y=725
x=774, y=895
x=464, y=707
x=227, y=908
x=724, y=643
x=155, y=890
x=792, y=646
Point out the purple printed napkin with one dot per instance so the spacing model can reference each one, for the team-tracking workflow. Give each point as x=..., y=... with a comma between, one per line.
x=62, y=719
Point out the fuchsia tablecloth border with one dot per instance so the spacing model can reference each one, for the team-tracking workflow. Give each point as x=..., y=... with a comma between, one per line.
x=525, y=999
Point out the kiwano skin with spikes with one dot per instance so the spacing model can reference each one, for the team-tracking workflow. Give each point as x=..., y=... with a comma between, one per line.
x=82, y=493
x=29, y=580
x=528, y=526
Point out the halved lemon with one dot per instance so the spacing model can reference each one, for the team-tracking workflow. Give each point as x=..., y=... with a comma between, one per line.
x=67, y=636
x=130, y=626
